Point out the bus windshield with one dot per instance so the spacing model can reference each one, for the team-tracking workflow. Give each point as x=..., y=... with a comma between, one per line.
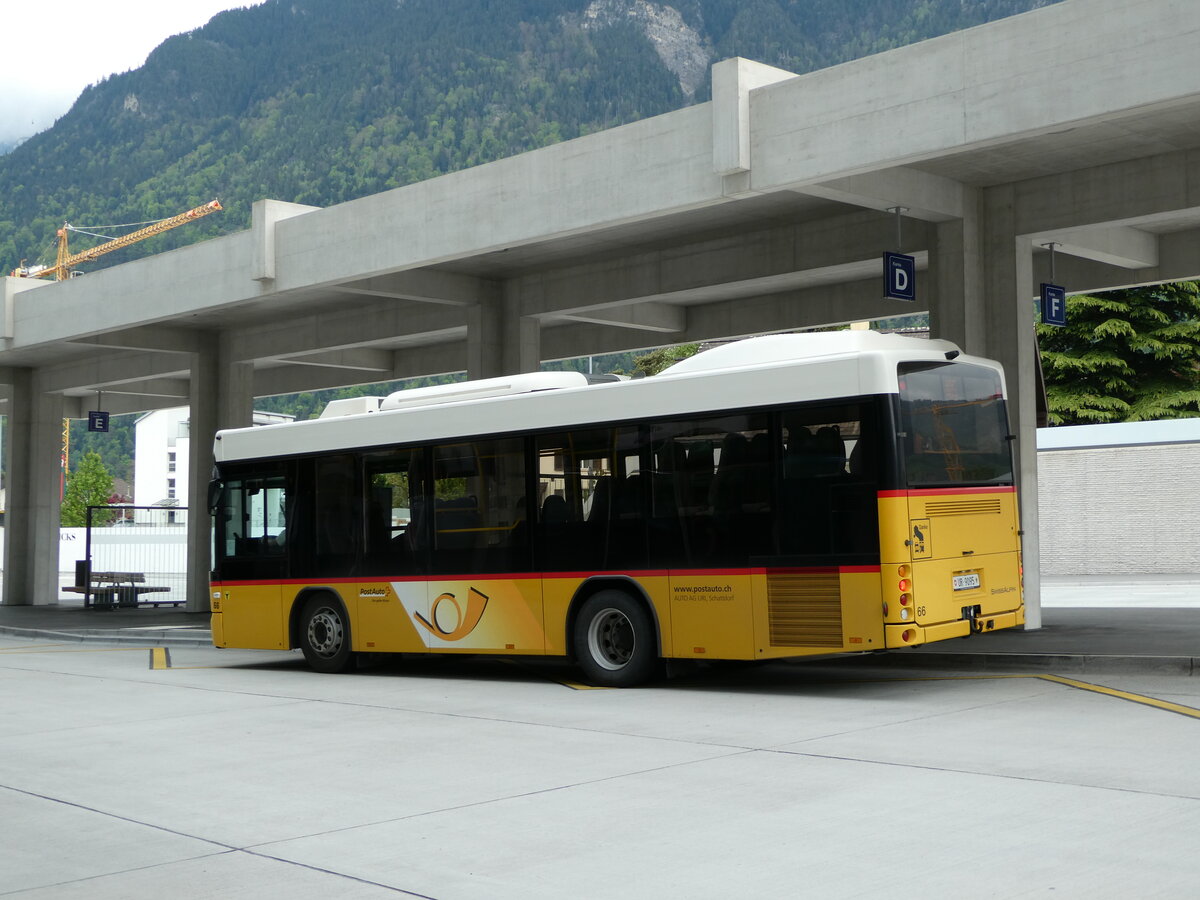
x=953, y=425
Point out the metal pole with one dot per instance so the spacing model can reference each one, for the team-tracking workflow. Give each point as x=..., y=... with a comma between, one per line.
x=1050, y=246
x=899, y=211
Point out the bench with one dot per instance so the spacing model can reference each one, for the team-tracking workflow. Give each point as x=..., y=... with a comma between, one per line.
x=106, y=590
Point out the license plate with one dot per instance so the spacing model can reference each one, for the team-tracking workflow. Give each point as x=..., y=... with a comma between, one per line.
x=966, y=582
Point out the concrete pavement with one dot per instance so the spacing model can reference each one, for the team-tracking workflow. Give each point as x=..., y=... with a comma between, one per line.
x=240, y=774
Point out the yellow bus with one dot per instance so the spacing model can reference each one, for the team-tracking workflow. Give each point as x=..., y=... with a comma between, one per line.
x=782, y=496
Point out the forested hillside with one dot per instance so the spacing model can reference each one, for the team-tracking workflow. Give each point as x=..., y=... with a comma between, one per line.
x=321, y=101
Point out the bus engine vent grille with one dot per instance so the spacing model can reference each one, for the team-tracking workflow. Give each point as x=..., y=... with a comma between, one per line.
x=982, y=507
x=805, y=609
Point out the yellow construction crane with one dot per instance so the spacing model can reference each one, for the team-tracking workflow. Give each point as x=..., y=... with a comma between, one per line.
x=66, y=260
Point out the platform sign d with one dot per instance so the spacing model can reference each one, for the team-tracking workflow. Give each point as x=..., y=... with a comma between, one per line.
x=899, y=277
x=97, y=421
x=1054, y=305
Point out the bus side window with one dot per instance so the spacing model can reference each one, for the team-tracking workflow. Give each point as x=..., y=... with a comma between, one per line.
x=394, y=482
x=253, y=523
x=575, y=498
x=479, y=489
x=830, y=481
x=713, y=490
x=338, y=514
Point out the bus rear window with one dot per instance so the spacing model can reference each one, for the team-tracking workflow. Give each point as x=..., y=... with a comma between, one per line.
x=953, y=425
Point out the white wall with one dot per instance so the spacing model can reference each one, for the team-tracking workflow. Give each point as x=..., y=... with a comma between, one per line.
x=1125, y=508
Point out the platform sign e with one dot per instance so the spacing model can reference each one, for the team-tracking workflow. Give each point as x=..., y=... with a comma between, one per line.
x=97, y=421
x=899, y=277
x=1054, y=304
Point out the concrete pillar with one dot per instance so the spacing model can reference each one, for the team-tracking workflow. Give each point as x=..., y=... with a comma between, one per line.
x=33, y=452
x=500, y=341
x=220, y=396
x=956, y=309
x=235, y=388
x=1010, y=338
x=204, y=401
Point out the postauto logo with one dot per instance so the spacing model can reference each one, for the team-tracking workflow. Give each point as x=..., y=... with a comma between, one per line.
x=454, y=624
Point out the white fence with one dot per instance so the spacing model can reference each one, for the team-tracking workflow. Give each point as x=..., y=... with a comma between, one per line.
x=157, y=551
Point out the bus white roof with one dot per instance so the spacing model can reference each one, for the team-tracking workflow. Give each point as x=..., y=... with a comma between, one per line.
x=773, y=349
x=758, y=372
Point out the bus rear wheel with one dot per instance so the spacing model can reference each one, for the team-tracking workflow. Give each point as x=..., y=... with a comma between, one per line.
x=614, y=640
x=325, y=635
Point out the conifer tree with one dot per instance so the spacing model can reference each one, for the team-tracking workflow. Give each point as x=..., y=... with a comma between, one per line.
x=1125, y=356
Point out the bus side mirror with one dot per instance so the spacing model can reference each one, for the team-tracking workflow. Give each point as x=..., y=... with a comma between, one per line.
x=216, y=488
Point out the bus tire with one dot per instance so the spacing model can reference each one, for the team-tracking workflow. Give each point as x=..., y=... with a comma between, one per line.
x=325, y=634
x=614, y=640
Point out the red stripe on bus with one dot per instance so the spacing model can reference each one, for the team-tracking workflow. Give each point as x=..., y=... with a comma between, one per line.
x=816, y=570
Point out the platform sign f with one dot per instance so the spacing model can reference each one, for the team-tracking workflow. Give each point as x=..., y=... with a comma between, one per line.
x=1054, y=304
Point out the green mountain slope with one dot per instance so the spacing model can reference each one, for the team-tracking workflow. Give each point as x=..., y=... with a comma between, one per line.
x=322, y=101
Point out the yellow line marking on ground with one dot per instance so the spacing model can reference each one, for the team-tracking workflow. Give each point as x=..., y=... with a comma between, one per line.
x=1165, y=705
x=160, y=658
x=580, y=686
x=530, y=670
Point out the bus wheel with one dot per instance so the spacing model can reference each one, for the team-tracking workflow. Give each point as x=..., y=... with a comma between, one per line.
x=325, y=635
x=614, y=640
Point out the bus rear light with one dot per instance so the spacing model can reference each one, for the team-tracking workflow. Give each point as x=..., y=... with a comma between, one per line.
x=902, y=571
x=904, y=585
x=885, y=607
x=907, y=635
x=904, y=598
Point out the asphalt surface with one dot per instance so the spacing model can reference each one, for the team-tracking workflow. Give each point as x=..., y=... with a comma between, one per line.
x=1123, y=631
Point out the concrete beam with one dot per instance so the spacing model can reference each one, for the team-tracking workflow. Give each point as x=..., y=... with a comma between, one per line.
x=109, y=370
x=745, y=263
x=364, y=360
x=1145, y=192
x=120, y=404
x=148, y=337
x=411, y=362
x=921, y=194
x=1177, y=261
x=427, y=286
x=1120, y=245
x=786, y=311
x=344, y=329
x=170, y=286
x=1010, y=81
x=643, y=170
x=659, y=317
x=173, y=389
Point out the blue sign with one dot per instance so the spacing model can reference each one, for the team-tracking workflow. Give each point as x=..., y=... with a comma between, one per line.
x=1054, y=304
x=899, y=277
x=97, y=421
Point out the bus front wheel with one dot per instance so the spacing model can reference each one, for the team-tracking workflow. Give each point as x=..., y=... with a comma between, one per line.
x=614, y=640
x=325, y=635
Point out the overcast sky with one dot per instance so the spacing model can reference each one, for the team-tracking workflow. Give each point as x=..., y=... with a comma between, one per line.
x=53, y=49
